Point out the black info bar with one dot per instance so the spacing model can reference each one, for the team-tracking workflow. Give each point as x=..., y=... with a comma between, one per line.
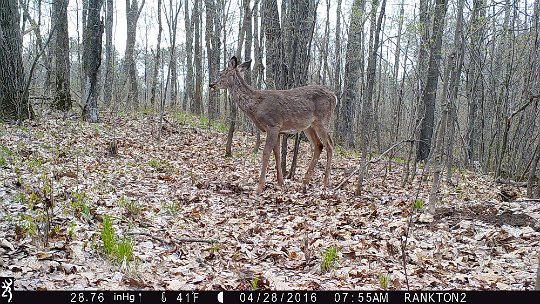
x=240, y=297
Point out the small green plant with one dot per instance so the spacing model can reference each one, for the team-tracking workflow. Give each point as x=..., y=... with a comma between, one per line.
x=5, y=154
x=118, y=249
x=329, y=258
x=71, y=229
x=26, y=224
x=107, y=235
x=160, y=165
x=418, y=204
x=20, y=198
x=35, y=163
x=344, y=152
x=255, y=283
x=384, y=278
x=132, y=208
x=199, y=121
x=124, y=250
x=214, y=247
x=78, y=203
x=171, y=208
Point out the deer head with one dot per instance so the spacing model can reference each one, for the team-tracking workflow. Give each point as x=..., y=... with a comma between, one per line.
x=226, y=77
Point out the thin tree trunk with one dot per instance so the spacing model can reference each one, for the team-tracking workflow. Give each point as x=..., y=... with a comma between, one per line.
x=109, y=71
x=196, y=20
x=367, y=102
x=62, y=98
x=337, y=71
x=92, y=60
x=352, y=76
x=430, y=92
x=190, y=87
x=157, y=59
x=133, y=12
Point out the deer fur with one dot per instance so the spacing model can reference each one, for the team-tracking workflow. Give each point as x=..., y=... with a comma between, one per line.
x=276, y=112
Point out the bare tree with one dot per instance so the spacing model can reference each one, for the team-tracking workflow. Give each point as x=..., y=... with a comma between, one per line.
x=62, y=99
x=157, y=58
x=450, y=89
x=133, y=11
x=430, y=91
x=109, y=51
x=367, y=127
x=172, y=24
x=213, y=50
x=92, y=59
x=352, y=77
x=196, y=21
x=189, y=85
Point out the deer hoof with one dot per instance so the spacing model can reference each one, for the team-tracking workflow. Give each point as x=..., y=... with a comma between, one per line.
x=259, y=189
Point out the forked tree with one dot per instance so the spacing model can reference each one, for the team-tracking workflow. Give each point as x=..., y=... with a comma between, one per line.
x=276, y=112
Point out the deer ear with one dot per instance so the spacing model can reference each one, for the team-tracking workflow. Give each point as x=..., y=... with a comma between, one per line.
x=245, y=66
x=233, y=62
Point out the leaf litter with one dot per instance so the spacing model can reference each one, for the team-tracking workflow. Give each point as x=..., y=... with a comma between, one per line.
x=196, y=222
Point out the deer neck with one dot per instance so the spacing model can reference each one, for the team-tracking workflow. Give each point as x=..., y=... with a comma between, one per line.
x=243, y=94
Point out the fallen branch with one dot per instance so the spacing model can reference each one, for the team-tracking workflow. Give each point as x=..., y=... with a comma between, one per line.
x=375, y=160
x=523, y=200
x=179, y=240
x=193, y=240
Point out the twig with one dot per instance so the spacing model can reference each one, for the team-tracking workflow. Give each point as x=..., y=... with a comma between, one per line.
x=405, y=238
x=375, y=160
x=179, y=240
x=193, y=240
x=523, y=200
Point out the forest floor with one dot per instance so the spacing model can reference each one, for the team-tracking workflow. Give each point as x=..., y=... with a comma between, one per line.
x=194, y=221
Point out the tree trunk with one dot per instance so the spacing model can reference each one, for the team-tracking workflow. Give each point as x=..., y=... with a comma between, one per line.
x=274, y=46
x=302, y=19
x=157, y=59
x=475, y=79
x=109, y=71
x=14, y=103
x=450, y=90
x=62, y=98
x=172, y=23
x=257, y=67
x=534, y=169
x=92, y=59
x=337, y=70
x=133, y=12
x=213, y=51
x=196, y=20
x=430, y=91
x=367, y=102
x=352, y=76
x=189, y=87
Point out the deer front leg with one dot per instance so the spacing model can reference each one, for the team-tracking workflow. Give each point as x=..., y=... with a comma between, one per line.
x=271, y=138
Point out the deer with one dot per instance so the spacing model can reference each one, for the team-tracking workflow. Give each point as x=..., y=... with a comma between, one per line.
x=308, y=108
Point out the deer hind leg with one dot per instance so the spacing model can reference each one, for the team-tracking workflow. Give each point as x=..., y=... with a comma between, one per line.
x=277, y=156
x=317, y=149
x=271, y=138
x=326, y=140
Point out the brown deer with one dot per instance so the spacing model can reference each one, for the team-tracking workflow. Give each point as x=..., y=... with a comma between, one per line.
x=276, y=112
